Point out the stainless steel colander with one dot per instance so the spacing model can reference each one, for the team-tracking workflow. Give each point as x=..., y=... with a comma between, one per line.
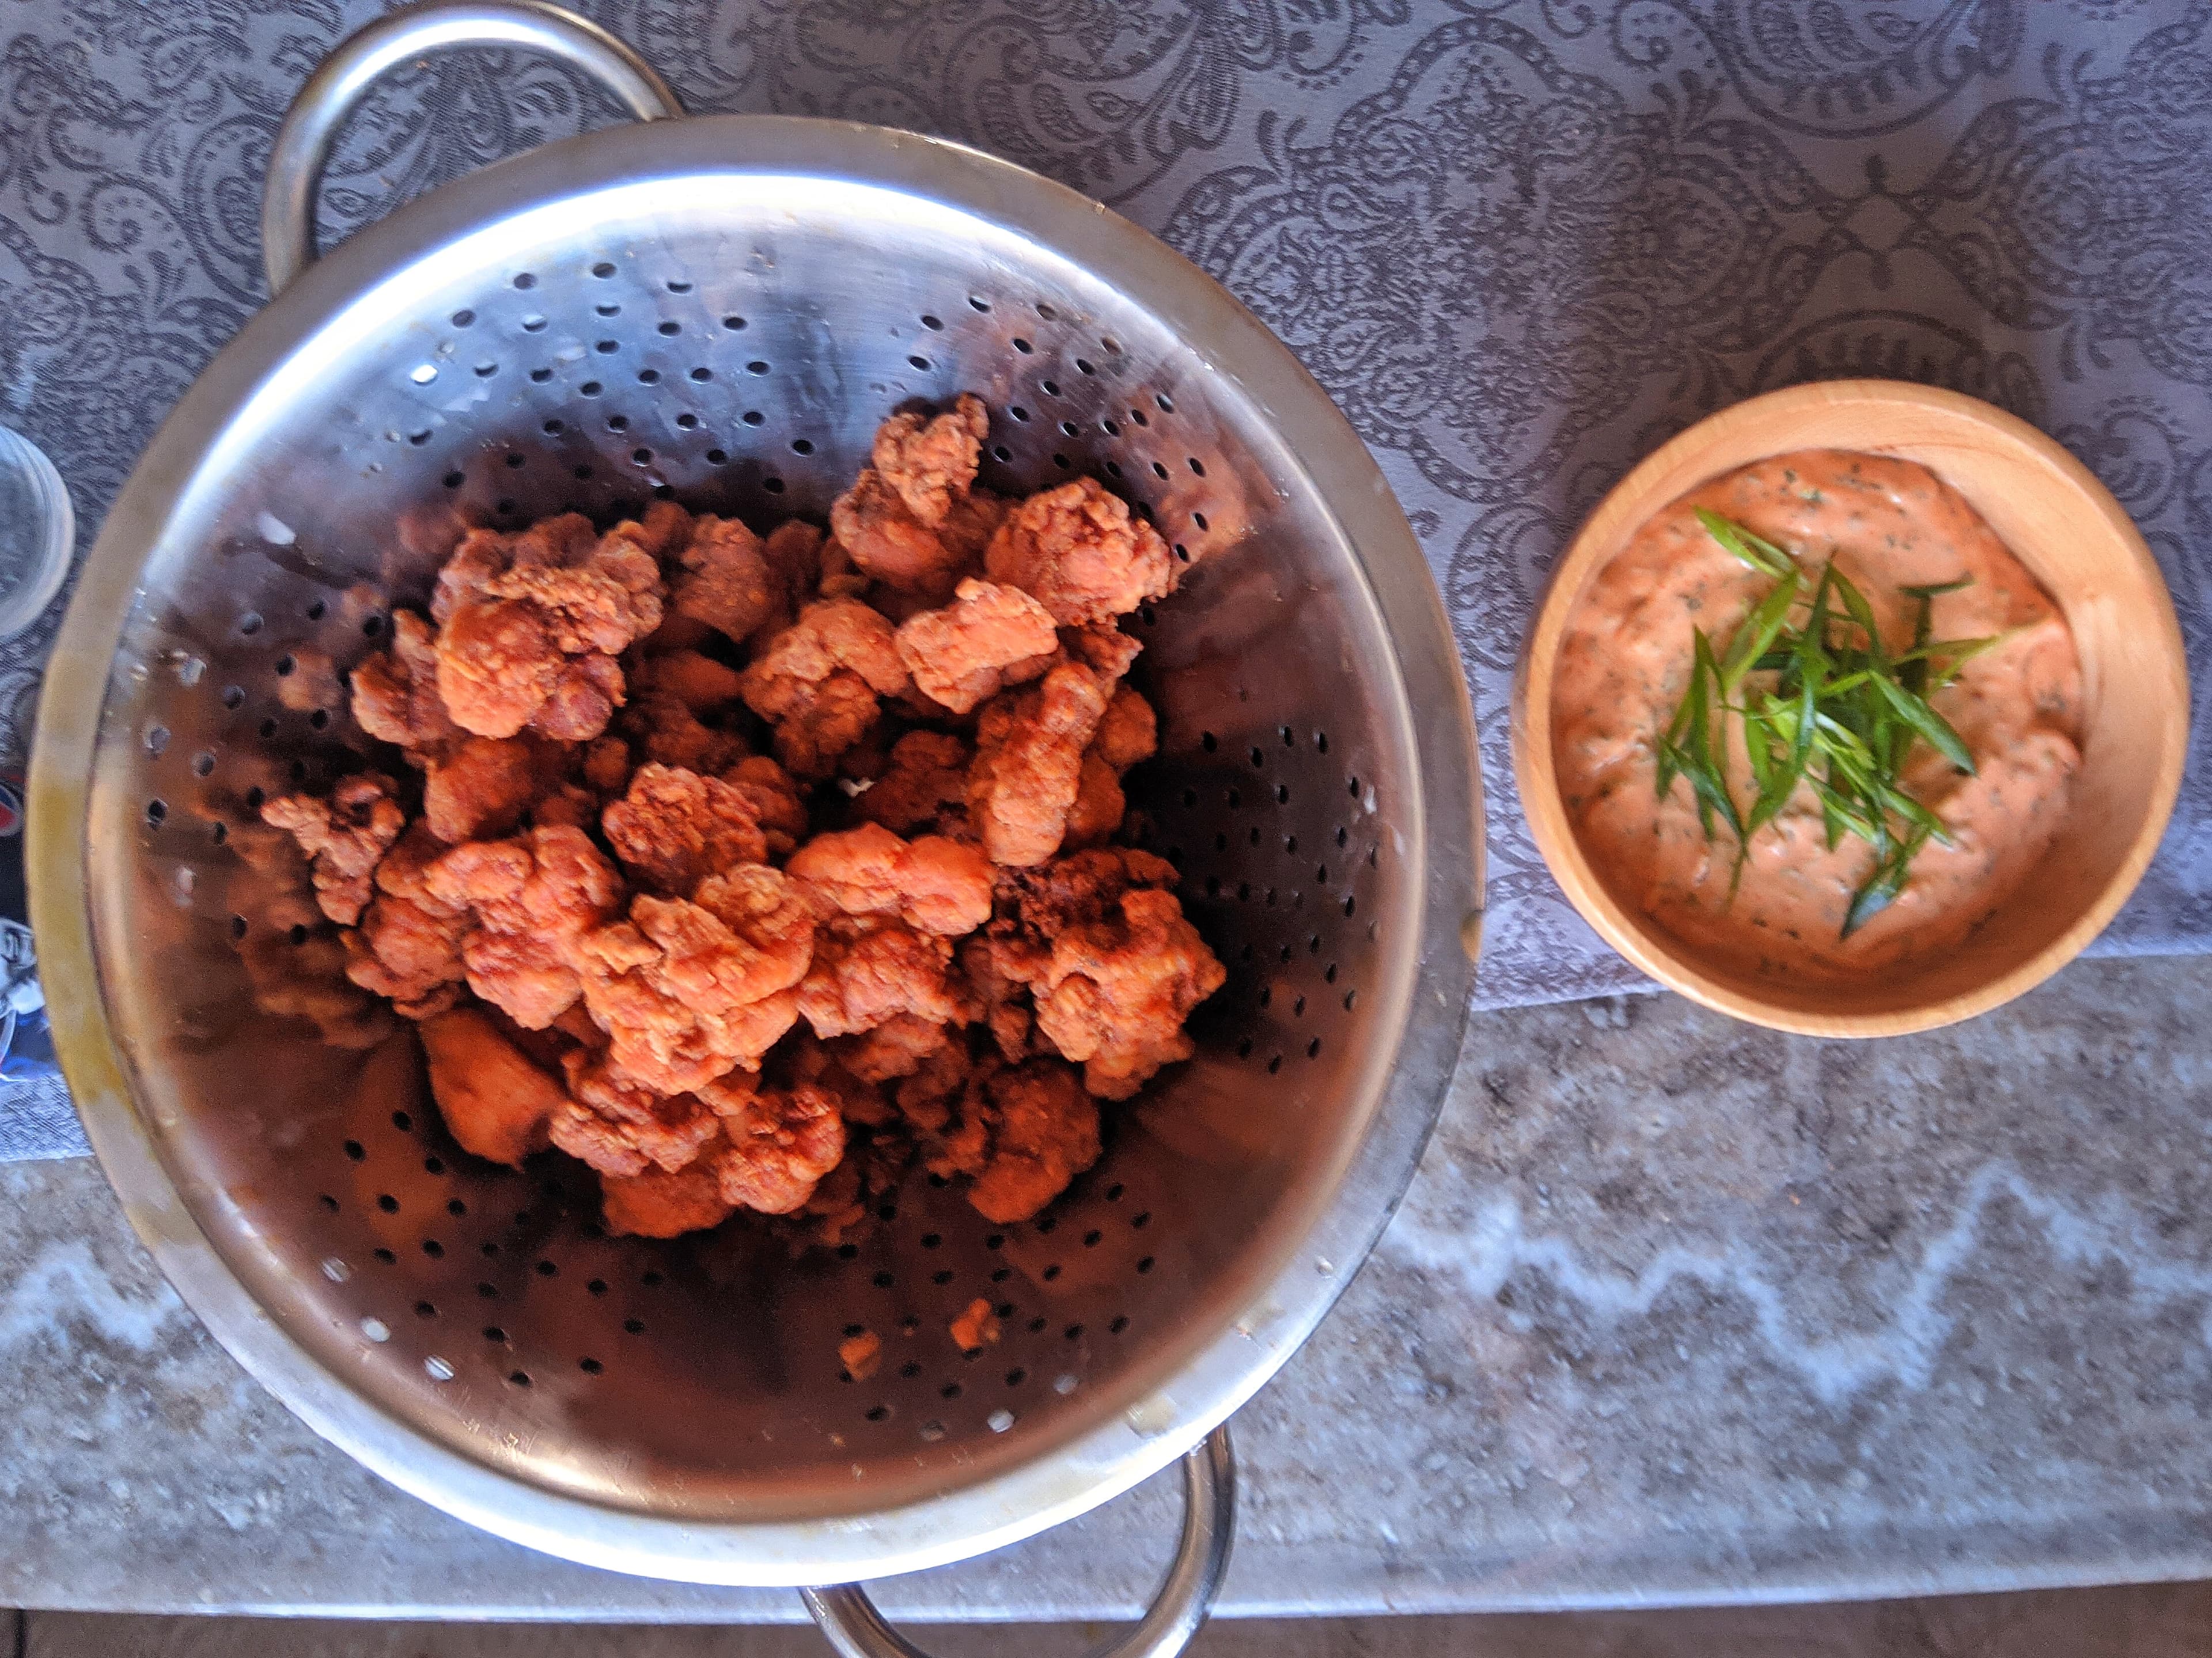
x=722, y=309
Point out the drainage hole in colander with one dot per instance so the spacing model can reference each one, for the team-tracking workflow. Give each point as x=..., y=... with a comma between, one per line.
x=1051, y=388
x=386, y=1257
x=598, y=1286
x=910, y=1370
x=354, y=1149
x=426, y=1310
x=486, y=369
x=883, y=1280
x=933, y=1431
x=607, y=348
x=801, y=446
x=433, y=1248
x=718, y=456
x=437, y=1369
x=608, y=308
x=1023, y=345
x=156, y=812
x=547, y=1269
x=757, y=367
x=590, y=1366
x=1244, y=1049
x=519, y=1378
x=877, y=1413
x=753, y=417
x=329, y=1203
x=995, y=1240
x=250, y=622
x=525, y=280
x=941, y=1277
x=493, y=1333
x=1051, y=1272
x=1084, y=366
x=687, y=421
x=1000, y=1274
x=1018, y=411
x=1061, y=460
x=733, y=324
x=920, y=362
x=1119, y=1323
x=648, y=376
x=387, y=1203
x=635, y=1326
x=463, y=318
x=949, y=1390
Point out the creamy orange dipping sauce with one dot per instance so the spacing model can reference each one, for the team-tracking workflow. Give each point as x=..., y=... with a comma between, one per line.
x=1624, y=664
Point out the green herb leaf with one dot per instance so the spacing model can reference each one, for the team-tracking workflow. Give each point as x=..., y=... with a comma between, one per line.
x=1937, y=589
x=1761, y=554
x=1840, y=718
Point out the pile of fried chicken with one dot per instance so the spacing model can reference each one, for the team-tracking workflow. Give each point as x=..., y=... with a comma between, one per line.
x=730, y=979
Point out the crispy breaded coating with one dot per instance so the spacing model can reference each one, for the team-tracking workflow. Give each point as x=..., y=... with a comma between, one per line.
x=343, y=837
x=1029, y=763
x=655, y=1203
x=725, y=581
x=674, y=828
x=395, y=692
x=819, y=680
x=775, y=800
x=530, y=900
x=924, y=787
x=780, y=1149
x=495, y=1102
x=930, y=463
x=483, y=787
x=530, y=630
x=619, y=1127
x=939, y=885
x=687, y=991
x=699, y=682
x=1041, y=1131
x=1080, y=552
x=868, y=970
x=987, y=638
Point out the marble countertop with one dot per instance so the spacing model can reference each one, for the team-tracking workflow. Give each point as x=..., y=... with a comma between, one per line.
x=1677, y=1310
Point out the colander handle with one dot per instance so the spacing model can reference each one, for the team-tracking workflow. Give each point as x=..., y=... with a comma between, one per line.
x=310, y=125
x=853, y=1626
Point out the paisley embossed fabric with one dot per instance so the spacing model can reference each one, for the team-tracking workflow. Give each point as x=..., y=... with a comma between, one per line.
x=1520, y=242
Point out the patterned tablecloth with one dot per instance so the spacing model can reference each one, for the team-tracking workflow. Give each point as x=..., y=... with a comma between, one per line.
x=1520, y=242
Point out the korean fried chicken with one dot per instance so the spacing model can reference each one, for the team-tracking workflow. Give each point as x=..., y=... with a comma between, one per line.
x=819, y=682
x=343, y=837
x=1080, y=553
x=747, y=869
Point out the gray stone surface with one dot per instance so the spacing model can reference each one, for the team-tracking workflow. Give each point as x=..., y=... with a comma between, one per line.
x=1677, y=1310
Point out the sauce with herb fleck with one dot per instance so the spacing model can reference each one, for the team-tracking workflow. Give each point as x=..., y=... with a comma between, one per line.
x=1624, y=663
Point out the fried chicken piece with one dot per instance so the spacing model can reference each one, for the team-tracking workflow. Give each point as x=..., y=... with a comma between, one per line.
x=1081, y=889
x=481, y=786
x=891, y=546
x=775, y=799
x=1041, y=1132
x=344, y=836
x=1078, y=550
x=926, y=787
x=656, y=1204
x=781, y=1148
x=896, y=1048
x=699, y=682
x=530, y=901
x=1118, y=990
x=618, y=1127
x=868, y=970
x=1127, y=733
x=395, y=692
x=930, y=463
x=987, y=638
x=1029, y=763
x=686, y=991
x=674, y=828
x=495, y=1102
x=818, y=681
x=926, y=1098
x=725, y=581
x=531, y=630
x=568, y=805
x=408, y=946
x=937, y=885
x=666, y=730
x=662, y=534
x=1103, y=647
x=1003, y=997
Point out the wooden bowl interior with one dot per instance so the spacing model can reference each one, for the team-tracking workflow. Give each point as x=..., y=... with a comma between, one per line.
x=2066, y=529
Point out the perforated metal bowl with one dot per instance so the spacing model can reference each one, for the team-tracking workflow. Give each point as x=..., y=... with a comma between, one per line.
x=722, y=309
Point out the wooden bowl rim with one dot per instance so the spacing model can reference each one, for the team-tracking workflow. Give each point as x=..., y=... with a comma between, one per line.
x=1602, y=534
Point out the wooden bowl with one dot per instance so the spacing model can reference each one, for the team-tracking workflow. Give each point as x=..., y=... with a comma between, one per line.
x=2067, y=529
